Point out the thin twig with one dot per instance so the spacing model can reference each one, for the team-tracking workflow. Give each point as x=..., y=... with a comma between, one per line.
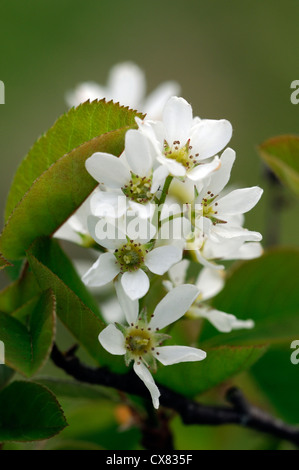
x=239, y=412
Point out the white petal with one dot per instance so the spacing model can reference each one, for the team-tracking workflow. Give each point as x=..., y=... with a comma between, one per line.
x=111, y=311
x=108, y=231
x=66, y=232
x=159, y=176
x=224, y=250
x=83, y=92
x=127, y=84
x=205, y=262
x=229, y=231
x=203, y=170
x=135, y=284
x=249, y=251
x=177, y=118
x=160, y=259
x=130, y=307
x=140, y=230
x=210, y=136
x=156, y=101
x=174, y=305
x=108, y=204
x=169, y=355
x=102, y=271
x=143, y=211
x=174, y=168
x=239, y=201
x=108, y=170
x=105, y=233
x=179, y=229
x=154, y=131
x=138, y=153
x=224, y=322
x=76, y=224
x=220, y=178
x=148, y=381
x=177, y=273
x=168, y=285
x=205, y=225
x=113, y=340
x=209, y=282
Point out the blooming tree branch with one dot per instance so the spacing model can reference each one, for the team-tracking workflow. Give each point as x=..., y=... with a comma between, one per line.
x=240, y=412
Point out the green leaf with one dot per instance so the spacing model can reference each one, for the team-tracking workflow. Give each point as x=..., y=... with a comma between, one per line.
x=281, y=154
x=52, y=182
x=6, y=373
x=54, y=196
x=76, y=390
x=71, y=130
x=75, y=307
x=98, y=422
x=19, y=292
x=29, y=412
x=192, y=378
x=266, y=290
x=279, y=380
x=49, y=253
x=27, y=349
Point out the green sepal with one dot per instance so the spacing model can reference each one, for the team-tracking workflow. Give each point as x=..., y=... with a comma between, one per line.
x=160, y=338
x=121, y=328
x=128, y=358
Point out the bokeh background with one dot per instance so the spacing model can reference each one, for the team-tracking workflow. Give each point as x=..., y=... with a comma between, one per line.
x=233, y=59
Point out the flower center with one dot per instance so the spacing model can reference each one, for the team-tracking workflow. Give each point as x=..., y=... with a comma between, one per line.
x=139, y=341
x=139, y=189
x=181, y=154
x=130, y=256
x=209, y=209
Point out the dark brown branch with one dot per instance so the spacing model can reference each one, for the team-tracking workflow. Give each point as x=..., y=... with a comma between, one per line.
x=239, y=412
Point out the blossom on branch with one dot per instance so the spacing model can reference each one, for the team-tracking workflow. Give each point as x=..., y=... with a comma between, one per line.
x=141, y=340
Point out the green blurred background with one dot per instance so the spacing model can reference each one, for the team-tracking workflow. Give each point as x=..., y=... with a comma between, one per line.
x=234, y=60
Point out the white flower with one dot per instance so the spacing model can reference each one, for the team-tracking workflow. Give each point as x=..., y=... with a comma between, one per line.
x=217, y=214
x=126, y=84
x=185, y=145
x=128, y=258
x=130, y=175
x=209, y=282
x=140, y=341
x=75, y=228
x=208, y=252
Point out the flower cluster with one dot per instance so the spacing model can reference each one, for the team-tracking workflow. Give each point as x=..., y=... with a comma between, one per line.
x=158, y=205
